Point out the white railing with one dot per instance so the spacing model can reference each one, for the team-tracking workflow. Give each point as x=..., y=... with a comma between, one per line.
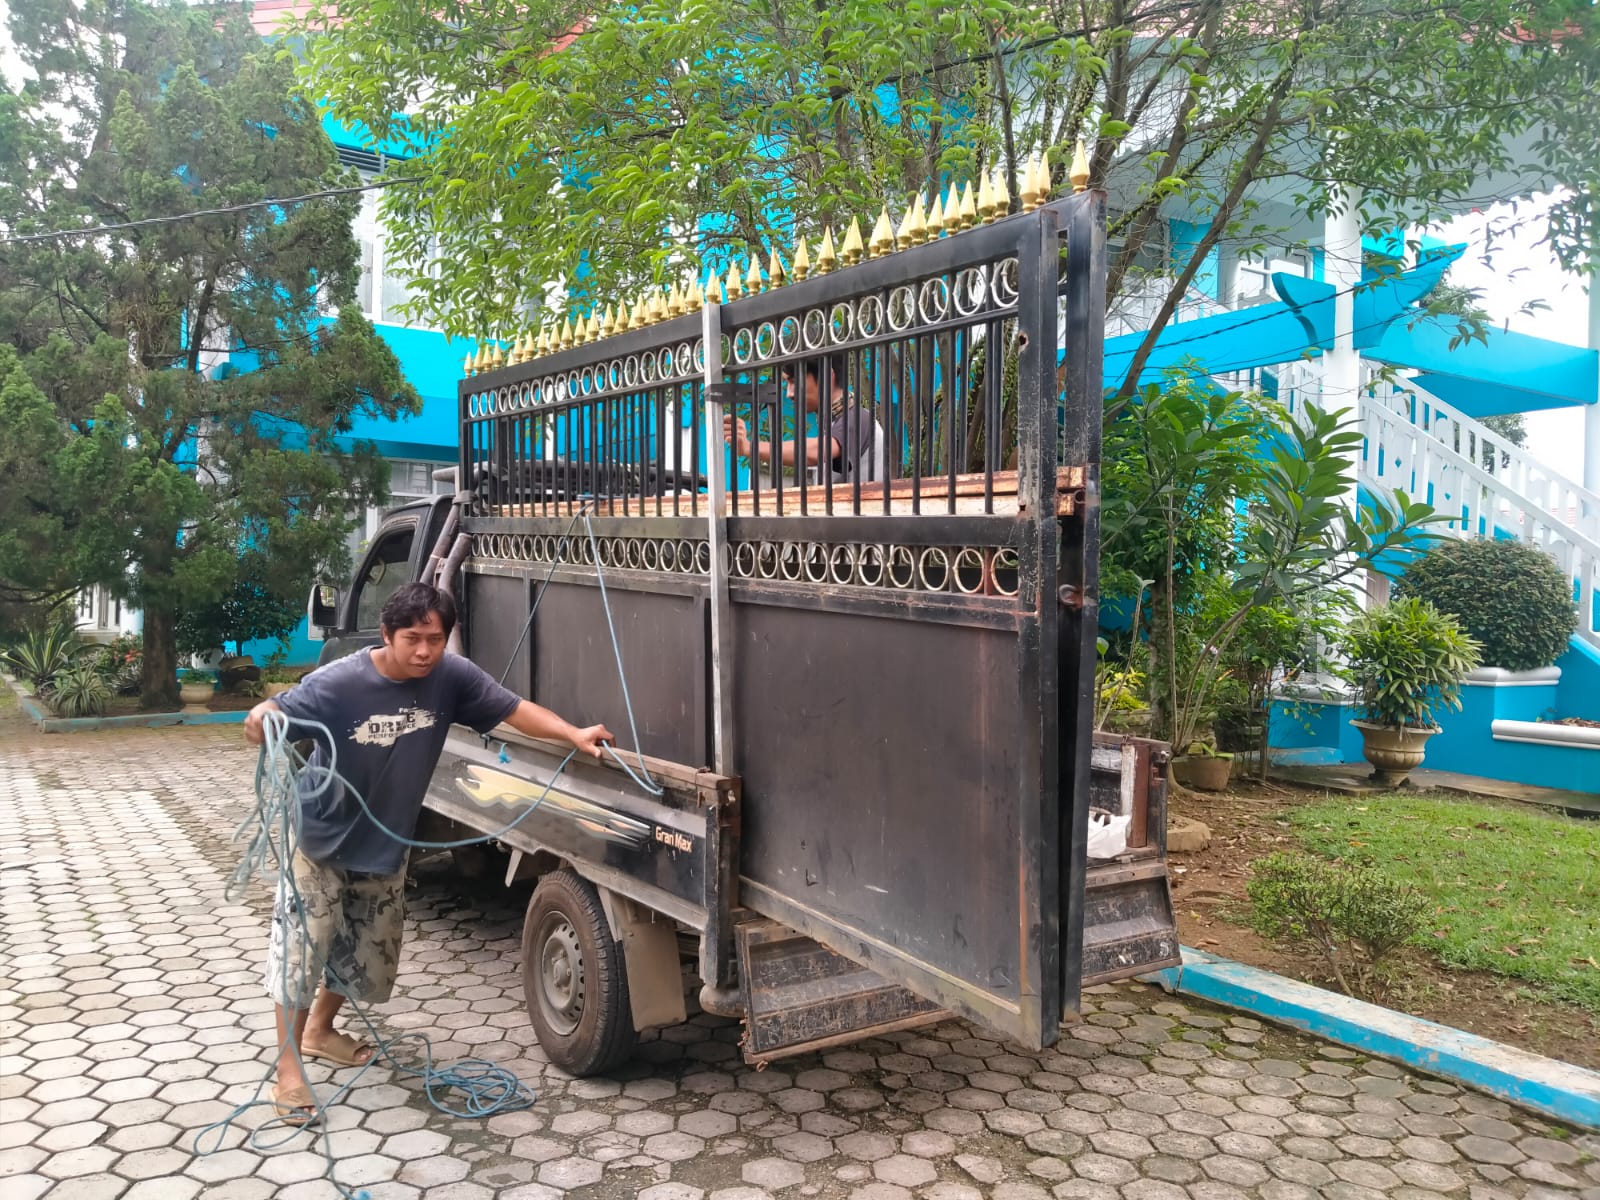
x=1488, y=487
x=1135, y=309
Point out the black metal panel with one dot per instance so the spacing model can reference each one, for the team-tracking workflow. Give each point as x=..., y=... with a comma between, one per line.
x=889, y=816
x=663, y=648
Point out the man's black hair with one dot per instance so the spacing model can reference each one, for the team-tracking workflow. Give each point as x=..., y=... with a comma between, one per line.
x=410, y=605
x=813, y=368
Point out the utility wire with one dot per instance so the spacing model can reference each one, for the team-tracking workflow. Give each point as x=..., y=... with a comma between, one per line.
x=174, y=218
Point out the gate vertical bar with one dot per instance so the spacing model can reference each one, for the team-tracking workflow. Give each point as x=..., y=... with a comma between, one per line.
x=717, y=533
x=1083, y=384
x=1040, y=819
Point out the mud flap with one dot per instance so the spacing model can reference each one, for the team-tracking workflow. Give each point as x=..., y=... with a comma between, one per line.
x=800, y=996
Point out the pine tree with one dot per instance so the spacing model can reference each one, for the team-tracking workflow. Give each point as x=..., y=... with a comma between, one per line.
x=124, y=460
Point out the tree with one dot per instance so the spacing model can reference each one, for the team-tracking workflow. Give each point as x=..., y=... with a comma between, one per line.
x=605, y=148
x=123, y=460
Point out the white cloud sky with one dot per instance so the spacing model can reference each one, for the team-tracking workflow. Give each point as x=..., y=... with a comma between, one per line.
x=1520, y=270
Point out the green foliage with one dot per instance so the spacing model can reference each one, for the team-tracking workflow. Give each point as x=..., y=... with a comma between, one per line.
x=1509, y=597
x=80, y=691
x=125, y=461
x=245, y=612
x=1349, y=914
x=197, y=675
x=1509, y=887
x=1180, y=458
x=1407, y=659
x=41, y=654
x=724, y=128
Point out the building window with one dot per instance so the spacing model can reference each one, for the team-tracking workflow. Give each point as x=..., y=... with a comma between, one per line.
x=1252, y=276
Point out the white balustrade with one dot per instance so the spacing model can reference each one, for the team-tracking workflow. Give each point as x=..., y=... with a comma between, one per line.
x=1468, y=472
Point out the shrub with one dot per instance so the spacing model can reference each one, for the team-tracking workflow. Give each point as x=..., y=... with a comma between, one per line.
x=1511, y=598
x=42, y=654
x=80, y=691
x=1406, y=659
x=1352, y=915
x=120, y=664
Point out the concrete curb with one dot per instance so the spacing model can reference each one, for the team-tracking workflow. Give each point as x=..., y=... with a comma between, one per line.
x=1560, y=1090
x=40, y=716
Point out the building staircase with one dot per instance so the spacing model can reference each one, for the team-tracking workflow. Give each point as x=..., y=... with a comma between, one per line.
x=1488, y=487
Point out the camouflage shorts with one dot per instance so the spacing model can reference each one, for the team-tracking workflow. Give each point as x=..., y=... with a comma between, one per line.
x=342, y=926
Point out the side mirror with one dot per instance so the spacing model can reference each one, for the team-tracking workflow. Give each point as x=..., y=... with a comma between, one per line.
x=324, y=607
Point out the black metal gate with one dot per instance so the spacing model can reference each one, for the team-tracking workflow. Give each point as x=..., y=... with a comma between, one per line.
x=894, y=647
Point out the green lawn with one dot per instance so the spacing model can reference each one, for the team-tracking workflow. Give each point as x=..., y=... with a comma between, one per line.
x=1516, y=891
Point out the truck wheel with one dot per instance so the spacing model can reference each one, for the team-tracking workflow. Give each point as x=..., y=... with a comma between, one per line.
x=574, y=981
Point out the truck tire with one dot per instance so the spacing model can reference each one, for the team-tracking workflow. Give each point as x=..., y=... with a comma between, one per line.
x=574, y=981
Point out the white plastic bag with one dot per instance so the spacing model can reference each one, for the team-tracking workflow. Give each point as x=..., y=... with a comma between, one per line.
x=1108, y=834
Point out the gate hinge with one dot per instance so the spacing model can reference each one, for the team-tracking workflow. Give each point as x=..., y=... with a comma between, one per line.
x=1071, y=596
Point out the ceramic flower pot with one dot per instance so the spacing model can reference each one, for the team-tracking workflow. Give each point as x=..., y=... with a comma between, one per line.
x=1203, y=772
x=195, y=696
x=1393, y=750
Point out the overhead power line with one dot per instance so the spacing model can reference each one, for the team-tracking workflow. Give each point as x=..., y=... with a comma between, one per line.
x=56, y=235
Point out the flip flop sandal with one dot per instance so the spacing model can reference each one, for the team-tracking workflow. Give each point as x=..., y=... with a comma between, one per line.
x=297, y=1107
x=342, y=1050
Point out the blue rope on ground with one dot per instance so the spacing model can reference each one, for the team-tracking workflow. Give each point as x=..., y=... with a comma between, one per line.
x=283, y=780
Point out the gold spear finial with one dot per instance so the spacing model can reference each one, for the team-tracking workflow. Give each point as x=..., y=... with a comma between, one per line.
x=674, y=301
x=515, y=356
x=882, y=240
x=592, y=331
x=969, y=207
x=952, y=209
x=1045, y=183
x=935, y=220
x=775, y=273
x=657, y=307
x=547, y=340
x=1027, y=188
x=467, y=367
x=852, y=249
x=1079, y=174
x=731, y=286
x=752, y=279
x=608, y=322
x=986, y=199
x=1002, y=192
x=496, y=358
x=802, y=259
x=902, y=234
x=827, y=257
x=529, y=348
x=917, y=230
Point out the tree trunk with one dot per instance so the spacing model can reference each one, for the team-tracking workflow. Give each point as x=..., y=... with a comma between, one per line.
x=158, y=676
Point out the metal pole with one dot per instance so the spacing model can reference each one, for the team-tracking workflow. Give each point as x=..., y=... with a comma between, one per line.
x=717, y=536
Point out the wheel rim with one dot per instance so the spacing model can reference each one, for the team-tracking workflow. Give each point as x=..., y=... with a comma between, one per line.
x=560, y=974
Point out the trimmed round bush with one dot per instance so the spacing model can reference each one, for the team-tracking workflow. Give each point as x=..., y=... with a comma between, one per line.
x=1510, y=597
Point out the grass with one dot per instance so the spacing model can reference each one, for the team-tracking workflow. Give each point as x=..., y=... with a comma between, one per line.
x=1515, y=891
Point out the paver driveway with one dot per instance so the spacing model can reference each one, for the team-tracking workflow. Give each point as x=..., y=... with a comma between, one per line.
x=132, y=1015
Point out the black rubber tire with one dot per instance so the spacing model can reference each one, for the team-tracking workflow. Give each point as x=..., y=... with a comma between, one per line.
x=602, y=1035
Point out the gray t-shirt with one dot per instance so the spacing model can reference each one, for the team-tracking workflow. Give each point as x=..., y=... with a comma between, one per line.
x=389, y=736
x=856, y=434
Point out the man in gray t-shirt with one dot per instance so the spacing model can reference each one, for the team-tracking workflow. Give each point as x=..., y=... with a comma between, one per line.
x=853, y=448
x=388, y=710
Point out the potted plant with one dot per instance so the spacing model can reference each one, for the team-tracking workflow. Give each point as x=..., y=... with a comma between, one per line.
x=1406, y=658
x=1203, y=768
x=196, y=687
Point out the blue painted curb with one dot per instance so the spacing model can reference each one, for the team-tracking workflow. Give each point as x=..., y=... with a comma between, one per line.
x=40, y=716
x=1568, y=1093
